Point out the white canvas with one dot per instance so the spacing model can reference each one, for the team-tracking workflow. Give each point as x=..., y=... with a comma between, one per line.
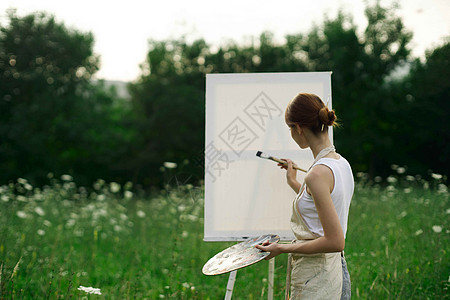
x=246, y=196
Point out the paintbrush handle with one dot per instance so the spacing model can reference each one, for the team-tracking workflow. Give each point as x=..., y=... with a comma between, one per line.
x=284, y=163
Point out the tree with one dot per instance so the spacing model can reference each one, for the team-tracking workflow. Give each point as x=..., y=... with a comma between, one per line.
x=52, y=117
x=360, y=66
x=426, y=106
x=169, y=102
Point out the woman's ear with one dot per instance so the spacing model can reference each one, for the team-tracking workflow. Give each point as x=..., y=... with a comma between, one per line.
x=298, y=128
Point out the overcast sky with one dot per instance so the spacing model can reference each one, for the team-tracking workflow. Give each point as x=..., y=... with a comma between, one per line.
x=122, y=28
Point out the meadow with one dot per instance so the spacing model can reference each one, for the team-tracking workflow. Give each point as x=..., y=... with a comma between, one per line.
x=56, y=239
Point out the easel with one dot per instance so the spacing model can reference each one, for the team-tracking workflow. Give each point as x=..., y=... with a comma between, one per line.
x=232, y=279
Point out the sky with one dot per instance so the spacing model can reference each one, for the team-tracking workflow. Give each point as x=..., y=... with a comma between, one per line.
x=122, y=28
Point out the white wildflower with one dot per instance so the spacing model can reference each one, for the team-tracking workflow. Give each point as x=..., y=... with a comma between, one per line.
x=90, y=290
x=394, y=167
x=28, y=186
x=410, y=178
x=437, y=228
x=128, y=194
x=186, y=285
x=101, y=197
x=98, y=184
x=170, y=165
x=418, y=232
x=140, y=214
x=161, y=296
x=401, y=170
x=391, y=179
x=39, y=211
x=407, y=190
x=114, y=187
x=436, y=176
x=22, y=180
x=66, y=177
x=402, y=215
x=47, y=223
x=378, y=179
x=361, y=174
x=41, y=232
x=5, y=198
x=21, y=214
x=117, y=228
x=448, y=211
x=442, y=188
x=70, y=223
x=21, y=198
x=192, y=218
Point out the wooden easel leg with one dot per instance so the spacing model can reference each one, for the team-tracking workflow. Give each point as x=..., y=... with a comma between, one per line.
x=271, y=275
x=230, y=285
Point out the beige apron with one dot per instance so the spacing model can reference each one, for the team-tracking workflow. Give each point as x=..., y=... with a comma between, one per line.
x=313, y=276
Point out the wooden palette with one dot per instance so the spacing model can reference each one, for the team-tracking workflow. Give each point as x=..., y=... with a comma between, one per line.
x=238, y=256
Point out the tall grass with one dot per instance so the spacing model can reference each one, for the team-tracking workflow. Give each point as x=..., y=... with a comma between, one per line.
x=55, y=239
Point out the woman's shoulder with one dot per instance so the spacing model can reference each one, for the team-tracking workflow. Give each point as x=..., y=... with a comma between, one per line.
x=318, y=174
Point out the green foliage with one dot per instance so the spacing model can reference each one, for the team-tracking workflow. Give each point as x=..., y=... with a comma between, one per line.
x=169, y=103
x=361, y=66
x=54, y=239
x=52, y=117
x=424, y=111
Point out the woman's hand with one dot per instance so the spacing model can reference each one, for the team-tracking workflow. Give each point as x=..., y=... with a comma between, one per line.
x=273, y=248
x=291, y=174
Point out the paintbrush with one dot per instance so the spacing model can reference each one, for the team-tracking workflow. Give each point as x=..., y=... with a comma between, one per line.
x=263, y=155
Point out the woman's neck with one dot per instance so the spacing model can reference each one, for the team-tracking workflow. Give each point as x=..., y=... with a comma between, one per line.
x=318, y=142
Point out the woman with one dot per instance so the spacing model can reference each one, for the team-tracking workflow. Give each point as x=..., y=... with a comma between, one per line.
x=320, y=210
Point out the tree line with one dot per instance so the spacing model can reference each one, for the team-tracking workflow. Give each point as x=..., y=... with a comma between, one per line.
x=55, y=119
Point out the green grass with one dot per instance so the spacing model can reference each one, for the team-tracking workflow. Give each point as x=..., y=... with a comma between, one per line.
x=53, y=240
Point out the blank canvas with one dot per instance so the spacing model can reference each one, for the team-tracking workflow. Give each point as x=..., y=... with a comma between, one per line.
x=246, y=196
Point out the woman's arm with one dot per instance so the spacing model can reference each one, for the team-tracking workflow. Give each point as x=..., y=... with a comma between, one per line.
x=291, y=175
x=320, y=183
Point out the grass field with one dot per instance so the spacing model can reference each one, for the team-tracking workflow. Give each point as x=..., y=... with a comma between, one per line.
x=55, y=239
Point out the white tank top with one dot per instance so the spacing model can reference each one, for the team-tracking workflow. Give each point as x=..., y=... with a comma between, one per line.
x=341, y=195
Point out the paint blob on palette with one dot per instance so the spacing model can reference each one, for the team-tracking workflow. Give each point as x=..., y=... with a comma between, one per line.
x=238, y=256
